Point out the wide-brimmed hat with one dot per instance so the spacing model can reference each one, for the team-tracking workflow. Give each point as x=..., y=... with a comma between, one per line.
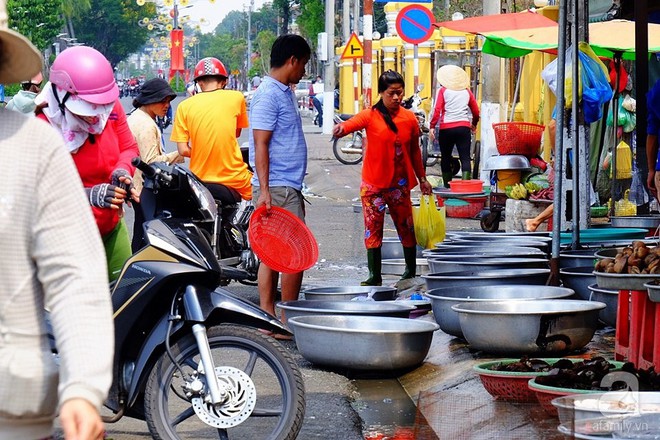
x=453, y=77
x=152, y=91
x=20, y=60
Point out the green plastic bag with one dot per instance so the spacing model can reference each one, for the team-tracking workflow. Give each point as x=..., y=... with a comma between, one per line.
x=429, y=221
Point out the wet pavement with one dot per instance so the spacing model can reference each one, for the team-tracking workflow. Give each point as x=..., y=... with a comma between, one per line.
x=443, y=398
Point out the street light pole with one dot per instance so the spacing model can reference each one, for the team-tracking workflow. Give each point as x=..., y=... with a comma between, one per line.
x=249, y=46
x=329, y=80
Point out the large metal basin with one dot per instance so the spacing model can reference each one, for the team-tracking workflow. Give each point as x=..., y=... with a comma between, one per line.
x=398, y=266
x=362, y=308
x=578, y=279
x=538, y=244
x=529, y=327
x=608, y=297
x=507, y=162
x=392, y=249
x=577, y=258
x=501, y=238
x=489, y=251
x=486, y=278
x=440, y=264
x=363, y=342
x=347, y=293
x=443, y=299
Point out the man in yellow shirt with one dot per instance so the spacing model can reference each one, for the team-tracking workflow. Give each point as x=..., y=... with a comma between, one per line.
x=206, y=128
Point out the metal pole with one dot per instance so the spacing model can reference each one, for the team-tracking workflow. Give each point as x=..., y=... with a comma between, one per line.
x=367, y=25
x=575, y=241
x=517, y=89
x=356, y=89
x=559, y=145
x=329, y=80
x=176, y=25
x=415, y=67
x=346, y=20
x=249, y=45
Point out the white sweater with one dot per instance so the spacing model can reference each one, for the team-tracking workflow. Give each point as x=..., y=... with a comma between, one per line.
x=51, y=256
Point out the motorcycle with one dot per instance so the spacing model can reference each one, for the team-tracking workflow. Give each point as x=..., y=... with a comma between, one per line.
x=189, y=357
x=178, y=193
x=348, y=149
x=413, y=104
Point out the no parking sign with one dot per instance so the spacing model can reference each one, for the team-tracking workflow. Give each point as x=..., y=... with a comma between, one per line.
x=414, y=24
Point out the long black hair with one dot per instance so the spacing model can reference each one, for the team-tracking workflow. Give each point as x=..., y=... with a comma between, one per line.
x=385, y=80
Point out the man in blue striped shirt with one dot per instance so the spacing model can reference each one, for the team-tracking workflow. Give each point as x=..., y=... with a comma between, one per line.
x=278, y=151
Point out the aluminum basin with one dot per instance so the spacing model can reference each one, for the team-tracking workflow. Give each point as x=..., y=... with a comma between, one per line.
x=347, y=293
x=608, y=297
x=443, y=299
x=501, y=238
x=392, y=249
x=578, y=279
x=533, y=243
x=371, y=343
x=486, y=278
x=484, y=251
x=577, y=258
x=362, y=308
x=529, y=327
x=398, y=266
x=440, y=264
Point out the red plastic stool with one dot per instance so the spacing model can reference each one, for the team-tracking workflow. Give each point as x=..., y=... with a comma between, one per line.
x=629, y=325
x=650, y=341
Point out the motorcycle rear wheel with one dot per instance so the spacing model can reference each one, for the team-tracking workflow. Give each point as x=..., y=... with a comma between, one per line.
x=280, y=394
x=351, y=141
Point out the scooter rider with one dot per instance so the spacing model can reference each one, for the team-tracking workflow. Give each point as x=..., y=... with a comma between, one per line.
x=206, y=128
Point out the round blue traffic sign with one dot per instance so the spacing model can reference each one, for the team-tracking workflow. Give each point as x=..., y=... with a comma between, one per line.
x=414, y=24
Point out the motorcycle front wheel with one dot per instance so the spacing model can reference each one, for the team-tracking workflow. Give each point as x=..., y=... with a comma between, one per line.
x=254, y=368
x=425, y=142
x=349, y=149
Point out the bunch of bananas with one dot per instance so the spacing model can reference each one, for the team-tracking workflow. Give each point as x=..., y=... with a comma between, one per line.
x=517, y=191
x=532, y=187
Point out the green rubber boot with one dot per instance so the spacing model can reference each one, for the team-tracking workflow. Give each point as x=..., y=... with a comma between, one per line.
x=374, y=259
x=410, y=257
x=466, y=175
x=446, y=178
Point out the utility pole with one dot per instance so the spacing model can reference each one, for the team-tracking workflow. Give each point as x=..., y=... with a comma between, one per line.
x=367, y=30
x=346, y=20
x=249, y=46
x=329, y=74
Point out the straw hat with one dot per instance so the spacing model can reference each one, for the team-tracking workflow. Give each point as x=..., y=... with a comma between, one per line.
x=453, y=77
x=20, y=59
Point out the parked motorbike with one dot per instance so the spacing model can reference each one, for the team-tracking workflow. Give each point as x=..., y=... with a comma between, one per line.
x=348, y=149
x=175, y=192
x=413, y=104
x=189, y=358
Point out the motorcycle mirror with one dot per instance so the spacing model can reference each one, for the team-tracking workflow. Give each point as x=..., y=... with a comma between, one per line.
x=419, y=88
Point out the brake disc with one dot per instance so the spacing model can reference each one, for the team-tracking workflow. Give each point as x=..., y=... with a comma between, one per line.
x=241, y=400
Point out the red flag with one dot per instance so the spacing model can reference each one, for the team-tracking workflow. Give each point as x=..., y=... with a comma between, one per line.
x=176, y=53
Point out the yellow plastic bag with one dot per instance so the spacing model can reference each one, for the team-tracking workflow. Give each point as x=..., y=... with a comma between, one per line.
x=625, y=207
x=429, y=222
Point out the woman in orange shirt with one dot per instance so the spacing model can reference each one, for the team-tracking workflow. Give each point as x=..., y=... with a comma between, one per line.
x=391, y=168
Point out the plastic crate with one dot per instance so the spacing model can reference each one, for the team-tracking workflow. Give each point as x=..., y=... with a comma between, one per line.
x=522, y=138
x=464, y=207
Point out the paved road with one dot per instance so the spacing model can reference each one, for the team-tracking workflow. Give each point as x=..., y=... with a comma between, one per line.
x=332, y=189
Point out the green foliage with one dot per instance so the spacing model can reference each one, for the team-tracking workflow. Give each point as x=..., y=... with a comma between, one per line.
x=179, y=85
x=111, y=27
x=39, y=20
x=264, y=42
x=11, y=90
x=311, y=20
x=469, y=8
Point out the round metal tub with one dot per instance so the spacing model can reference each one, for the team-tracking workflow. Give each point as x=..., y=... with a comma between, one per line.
x=371, y=343
x=443, y=299
x=578, y=279
x=393, y=309
x=486, y=278
x=392, y=249
x=608, y=297
x=577, y=258
x=538, y=244
x=398, y=266
x=442, y=264
x=541, y=326
x=347, y=293
x=636, y=221
x=511, y=251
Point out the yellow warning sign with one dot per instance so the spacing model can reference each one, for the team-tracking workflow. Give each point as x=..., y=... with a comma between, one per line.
x=353, y=49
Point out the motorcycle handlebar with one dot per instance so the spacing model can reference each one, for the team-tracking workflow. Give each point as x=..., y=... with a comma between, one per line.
x=144, y=167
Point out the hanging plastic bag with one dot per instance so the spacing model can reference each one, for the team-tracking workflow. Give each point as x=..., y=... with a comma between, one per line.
x=549, y=75
x=429, y=221
x=638, y=194
x=625, y=207
x=596, y=89
x=625, y=118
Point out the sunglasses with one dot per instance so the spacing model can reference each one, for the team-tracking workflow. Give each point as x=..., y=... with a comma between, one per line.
x=28, y=85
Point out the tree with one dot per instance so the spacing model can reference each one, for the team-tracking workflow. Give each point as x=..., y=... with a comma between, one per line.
x=111, y=27
x=39, y=20
x=284, y=11
x=264, y=43
x=311, y=20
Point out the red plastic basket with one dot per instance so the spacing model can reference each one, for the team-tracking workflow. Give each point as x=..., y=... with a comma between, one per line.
x=281, y=240
x=518, y=138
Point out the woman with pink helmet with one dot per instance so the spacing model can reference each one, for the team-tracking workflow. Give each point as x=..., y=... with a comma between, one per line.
x=81, y=101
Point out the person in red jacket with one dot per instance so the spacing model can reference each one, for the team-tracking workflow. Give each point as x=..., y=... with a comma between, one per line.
x=391, y=168
x=456, y=114
x=81, y=101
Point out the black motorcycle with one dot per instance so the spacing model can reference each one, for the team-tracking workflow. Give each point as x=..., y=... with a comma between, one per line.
x=174, y=191
x=173, y=325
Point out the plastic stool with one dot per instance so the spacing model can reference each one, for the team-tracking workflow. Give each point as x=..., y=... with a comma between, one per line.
x=622, y=334
x=650, y=342
x=629, y=325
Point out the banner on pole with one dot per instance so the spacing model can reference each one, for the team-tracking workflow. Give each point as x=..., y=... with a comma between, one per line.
x=176, y=52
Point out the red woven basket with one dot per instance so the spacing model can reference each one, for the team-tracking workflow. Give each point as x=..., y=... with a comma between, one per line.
x=281, y=240
x=518, y=138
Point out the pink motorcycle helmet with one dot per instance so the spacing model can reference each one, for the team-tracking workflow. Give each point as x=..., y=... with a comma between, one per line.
x=85, y=74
